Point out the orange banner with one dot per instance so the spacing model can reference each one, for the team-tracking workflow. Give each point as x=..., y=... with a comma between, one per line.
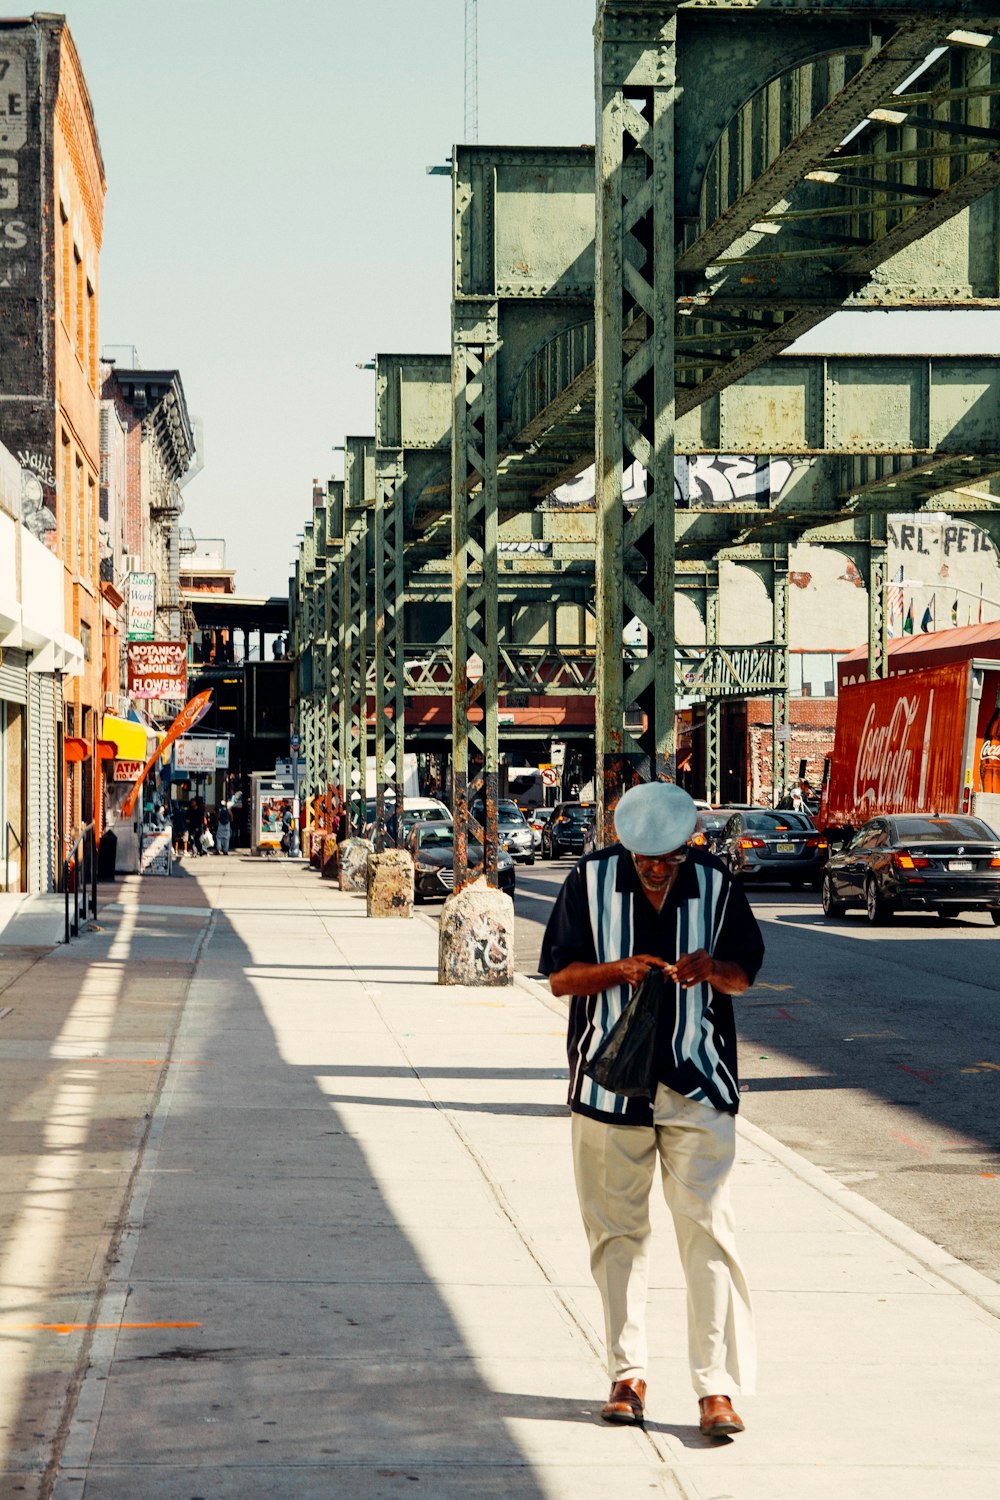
x=185, y=720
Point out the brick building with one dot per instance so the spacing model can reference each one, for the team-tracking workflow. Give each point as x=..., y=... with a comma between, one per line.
x=51, y=224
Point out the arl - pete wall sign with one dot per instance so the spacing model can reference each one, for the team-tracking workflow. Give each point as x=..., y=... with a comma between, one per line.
x=157, y=669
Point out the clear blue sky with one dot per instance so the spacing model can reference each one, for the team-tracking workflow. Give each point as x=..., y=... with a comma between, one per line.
x=270, y=224
x=269, y=221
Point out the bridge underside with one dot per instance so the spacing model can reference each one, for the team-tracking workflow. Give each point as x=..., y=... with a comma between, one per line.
x=627, y=310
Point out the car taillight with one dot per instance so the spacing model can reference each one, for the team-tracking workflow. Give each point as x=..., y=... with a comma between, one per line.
x=698, y=841
x=906, y=861
x=816, y=843
x=995, y=862
x=752, y=844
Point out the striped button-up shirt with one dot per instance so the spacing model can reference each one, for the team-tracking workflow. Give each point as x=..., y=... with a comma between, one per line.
x=601, y=916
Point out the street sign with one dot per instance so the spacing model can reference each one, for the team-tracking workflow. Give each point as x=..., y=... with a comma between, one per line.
x=550, y=776
x=296, y=741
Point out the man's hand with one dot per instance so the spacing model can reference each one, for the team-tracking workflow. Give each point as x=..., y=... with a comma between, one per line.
x=692, y=968
x=700, y=967
x=634, y=970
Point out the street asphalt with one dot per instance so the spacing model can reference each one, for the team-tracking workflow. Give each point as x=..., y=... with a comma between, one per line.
x=285, y=1218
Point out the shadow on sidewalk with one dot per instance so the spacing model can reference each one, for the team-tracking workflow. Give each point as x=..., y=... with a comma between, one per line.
x=321, y=1348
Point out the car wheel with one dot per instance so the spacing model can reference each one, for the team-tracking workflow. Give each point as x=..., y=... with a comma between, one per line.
x=876, y=908
x=831, y=906
x=530, y=859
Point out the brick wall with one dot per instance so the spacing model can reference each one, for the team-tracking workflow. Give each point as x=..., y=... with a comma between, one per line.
x=812, y=722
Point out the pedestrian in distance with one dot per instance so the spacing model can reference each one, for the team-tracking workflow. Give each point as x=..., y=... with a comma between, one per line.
x=196, y=824
x=179, y=828
x=651, y=901
x=224, y=828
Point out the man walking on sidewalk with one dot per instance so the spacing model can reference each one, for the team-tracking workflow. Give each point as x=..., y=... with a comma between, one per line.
x=652, y=901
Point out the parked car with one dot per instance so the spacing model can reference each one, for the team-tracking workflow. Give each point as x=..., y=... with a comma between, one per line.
x=570, y=830
x=912, y=862
x=513, y=829
x=432, y=846
x=538, y=817
x=415, y=810
x=710, y=827
x=767, y=844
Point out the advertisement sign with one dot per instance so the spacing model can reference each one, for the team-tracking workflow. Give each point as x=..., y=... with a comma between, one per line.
x=222, y=755
x=141, y=622
x=194, y=755
x=899, y=745
x=987, y=758
x=155, y=858
x=128, y=770
x=157, y=669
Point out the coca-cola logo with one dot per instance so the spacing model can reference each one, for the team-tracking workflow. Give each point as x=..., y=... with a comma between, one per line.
x=990, y=751
x=885, y=755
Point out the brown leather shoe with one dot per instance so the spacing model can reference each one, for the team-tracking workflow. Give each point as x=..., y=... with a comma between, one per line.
x=718, y=1418
x=626, y=1401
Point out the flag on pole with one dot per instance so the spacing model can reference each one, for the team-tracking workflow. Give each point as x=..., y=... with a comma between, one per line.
x=927, y=623
x=908, y=622
x=954, y=611
x=894, y=601
x=185, y=720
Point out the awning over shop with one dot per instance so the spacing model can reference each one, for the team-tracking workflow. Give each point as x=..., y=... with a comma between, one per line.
x=130, y=738
x=75, y=750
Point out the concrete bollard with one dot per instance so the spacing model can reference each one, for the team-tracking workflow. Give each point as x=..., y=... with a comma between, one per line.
x=352, y=859
x=390, y=884
x=328, y=858
x=476, y=938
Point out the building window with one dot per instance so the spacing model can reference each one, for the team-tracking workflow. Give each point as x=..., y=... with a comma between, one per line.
x=81, y=521
x=85, y=639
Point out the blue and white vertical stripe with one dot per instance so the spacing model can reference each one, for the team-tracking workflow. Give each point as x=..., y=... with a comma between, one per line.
x=692, y=1041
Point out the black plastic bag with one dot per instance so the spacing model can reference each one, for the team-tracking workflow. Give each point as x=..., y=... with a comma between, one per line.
x=625, y=1062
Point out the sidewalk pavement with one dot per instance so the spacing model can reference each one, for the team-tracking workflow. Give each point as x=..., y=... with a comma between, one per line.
x=284, y=1218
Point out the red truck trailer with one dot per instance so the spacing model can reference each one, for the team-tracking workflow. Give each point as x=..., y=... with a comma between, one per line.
x=925, y=739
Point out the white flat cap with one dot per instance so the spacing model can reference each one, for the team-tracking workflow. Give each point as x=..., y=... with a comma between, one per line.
x=655, y=818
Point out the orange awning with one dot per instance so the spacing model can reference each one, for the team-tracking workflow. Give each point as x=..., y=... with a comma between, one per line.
x=75, y=749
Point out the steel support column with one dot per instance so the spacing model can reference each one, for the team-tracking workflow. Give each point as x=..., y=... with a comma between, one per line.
x=779, y=701
x=636, y=95
x=878, y=583
x=475, y=529
x=334, y=707
x=353, y=641
x=713, y=705
x=389, y=645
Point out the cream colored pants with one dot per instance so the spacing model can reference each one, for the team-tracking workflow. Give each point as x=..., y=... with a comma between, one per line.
x=614, y=1167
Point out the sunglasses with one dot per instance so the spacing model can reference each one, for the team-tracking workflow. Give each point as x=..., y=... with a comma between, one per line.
x=644, y=861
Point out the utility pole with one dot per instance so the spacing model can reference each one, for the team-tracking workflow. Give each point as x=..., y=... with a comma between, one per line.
x=471, y=135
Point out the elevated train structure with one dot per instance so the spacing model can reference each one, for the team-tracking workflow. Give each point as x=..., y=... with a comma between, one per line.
x=759, y=165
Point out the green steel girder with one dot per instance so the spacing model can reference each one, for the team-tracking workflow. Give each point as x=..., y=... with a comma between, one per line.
x=333, y=706
x=712, y=671
x=475, y=532
x=359, y=498
x=388, y=656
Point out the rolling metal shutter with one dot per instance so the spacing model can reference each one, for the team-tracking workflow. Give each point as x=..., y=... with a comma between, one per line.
x=14, y=676
x=43, y=781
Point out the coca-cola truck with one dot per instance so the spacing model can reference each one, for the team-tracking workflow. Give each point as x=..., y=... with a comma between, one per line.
x=925, y=739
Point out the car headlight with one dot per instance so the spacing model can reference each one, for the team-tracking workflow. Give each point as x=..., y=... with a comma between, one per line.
x=424, y=867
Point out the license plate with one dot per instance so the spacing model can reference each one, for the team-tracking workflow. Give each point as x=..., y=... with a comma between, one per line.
x=960, y=864
x=785, y=848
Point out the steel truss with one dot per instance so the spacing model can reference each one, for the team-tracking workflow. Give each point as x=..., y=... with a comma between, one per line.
x=475, y=634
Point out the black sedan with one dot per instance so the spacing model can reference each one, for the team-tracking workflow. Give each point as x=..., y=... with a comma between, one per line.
x=570, y=830
x=760, y=843
x=432, y=846
x=911, y=862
